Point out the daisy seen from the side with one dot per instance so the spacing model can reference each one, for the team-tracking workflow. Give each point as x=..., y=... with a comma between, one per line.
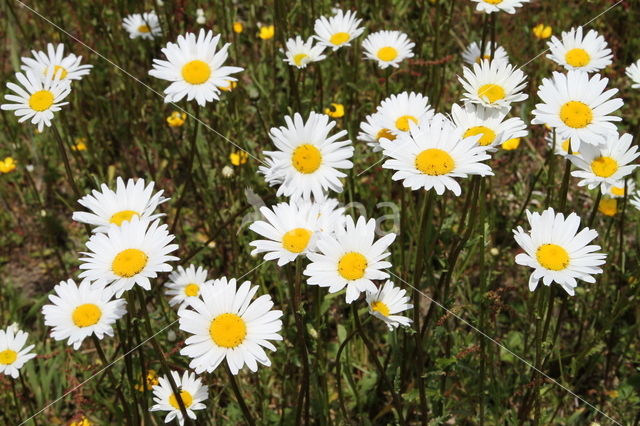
x=633, y=72
x=386, y=303
x=63, y=67
x=492, y=6
x=471, y=54
x=300, y=53
x=490, y=123
x=144, y=25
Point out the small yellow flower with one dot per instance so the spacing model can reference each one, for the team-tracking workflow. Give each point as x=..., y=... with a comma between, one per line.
x=238, y=27
x=608, y=206
x=239, y=157
x=335, y=110
x=267, y=32
x=511, y=144
x=612, y=393
x=151, y=381
x=176, y=119
x=80, y=145
x=81, y=422
x=542, y=31
x=232, y=85
x=7, y=165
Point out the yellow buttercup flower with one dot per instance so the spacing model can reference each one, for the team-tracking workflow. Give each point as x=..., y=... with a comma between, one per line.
x=232, y=85
x=7, y=165
x=511, y=144
x=239, y=157
x=238, y=27
x=83, y=421
x=151, y=381
x=542, y=31
x=176, y=119
x=608, y=206
x=335, y=110
x=80, y=144
x=267, y=32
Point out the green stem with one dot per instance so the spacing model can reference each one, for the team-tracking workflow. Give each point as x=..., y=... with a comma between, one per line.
x=236, y=390
x=343, y=408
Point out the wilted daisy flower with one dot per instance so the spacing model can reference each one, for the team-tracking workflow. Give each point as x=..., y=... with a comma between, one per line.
x=577, y=106
x=350, y=258
x=617, y=190
x=145, y=25
x=388, y=48
x=13, y=354
x=574, y=52
x=299, y=53
x=633, y=72
x=308, y=159
x=195, y=68
x=431, y=155
x=493, y=84
x=289, y=229
x=388, y=301
x=398, y=113
x=38, y=99
x=78, y=312
x=129, y=254
x=192, y=392
x=471, y=54
x=557, y=251
x=605, y=165
x=63, y=67
x=338, y=30
x=226, y=324
x=490, y=6
x=185, y=284
x=490, y=123
x=116, y=207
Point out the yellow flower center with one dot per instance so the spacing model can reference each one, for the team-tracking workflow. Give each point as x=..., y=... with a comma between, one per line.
x=297, y=59
x=493, y=1
x=41, y=100
x=488, y=135
x=186, y=398
x=604, y=166
x=511, y=144
x=192, y=289
x=385, y=133
x=482, y=57
x=144, y=29
x=552, y=257
x=8, y=356
x=617, y=190
x=577, y=57
x=491, y=92
x=403, y=122
x=387, y=54
x=228, y=330
x=434, y=162
x=57, y=68
x=123, y=216
x=306, y=158
x=576, y=114
x=608, y=206
x=380, y=307
x=196, y=72
x=296, y=240
x=352, y=266
x=129, y=262
x=86, y=315
x=339, y=38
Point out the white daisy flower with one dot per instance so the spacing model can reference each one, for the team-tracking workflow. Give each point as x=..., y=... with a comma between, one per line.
x=388, y=48
x=38, y=99
x=575, y=52
x=398, y=113
x=606, y=165
x=490, y=123
x=299, y=53
x=578, y=107
x=330, y=215
x=129, y=254
x=195, y=68
x=308, y=159
x=145, y=25
x=635, y=200
x=192, y=392
x=433, y=154
x=226, y=324
x=493, y=84
x=78, y=312
x=372, y=130
x=491, y=6
x=63, y=67
x=110, y=207
x=338, y=30
x=617, y=190
x=561, y=146
x=471, y=54
x=185, y=285
x=557, y=251
x=350, y=258
x=13, y=354
x=633, y=72
x=387, y=302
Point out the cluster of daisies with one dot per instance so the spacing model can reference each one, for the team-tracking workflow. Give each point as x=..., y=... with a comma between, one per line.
x=386, y=48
